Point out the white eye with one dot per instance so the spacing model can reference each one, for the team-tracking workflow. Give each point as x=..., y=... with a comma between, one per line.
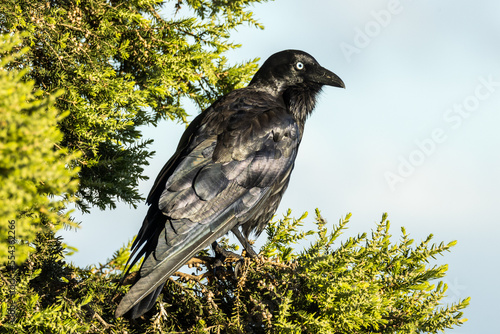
x=299, y=66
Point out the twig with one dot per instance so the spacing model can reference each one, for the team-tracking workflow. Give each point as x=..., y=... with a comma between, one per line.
x=189, y=277
x=98, y=317
x=200, y=260
x=205, y=260
x=4, y=279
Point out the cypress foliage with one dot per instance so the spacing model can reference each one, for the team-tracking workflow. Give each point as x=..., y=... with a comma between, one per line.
x=32, y=164
x=124, y=64
x=366, y=284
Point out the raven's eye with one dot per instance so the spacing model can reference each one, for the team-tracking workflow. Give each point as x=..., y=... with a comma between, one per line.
x=299, y=66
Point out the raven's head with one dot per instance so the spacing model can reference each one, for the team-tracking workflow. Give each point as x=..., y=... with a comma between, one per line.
x=294, y=67
x=297, y=77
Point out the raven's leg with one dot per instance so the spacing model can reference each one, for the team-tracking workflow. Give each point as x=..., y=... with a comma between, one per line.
x=220, y=256
x=248, y=248
x=244, y=242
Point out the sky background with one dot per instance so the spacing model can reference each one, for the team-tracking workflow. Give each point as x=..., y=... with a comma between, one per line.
x=414, y=134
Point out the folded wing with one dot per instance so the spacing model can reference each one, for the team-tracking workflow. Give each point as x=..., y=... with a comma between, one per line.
x=230, y=162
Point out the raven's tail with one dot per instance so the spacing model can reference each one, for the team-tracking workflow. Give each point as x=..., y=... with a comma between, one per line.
x=167, y=250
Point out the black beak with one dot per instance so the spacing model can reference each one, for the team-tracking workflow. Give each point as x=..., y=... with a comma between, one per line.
x=325, y=77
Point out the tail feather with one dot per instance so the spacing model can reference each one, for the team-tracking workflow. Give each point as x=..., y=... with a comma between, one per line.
x=165, y=260
x=140, y=296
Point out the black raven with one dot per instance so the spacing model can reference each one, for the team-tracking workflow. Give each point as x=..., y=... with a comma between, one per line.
x=230, y=170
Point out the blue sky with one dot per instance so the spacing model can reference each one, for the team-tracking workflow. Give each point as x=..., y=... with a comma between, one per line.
x=415, y=133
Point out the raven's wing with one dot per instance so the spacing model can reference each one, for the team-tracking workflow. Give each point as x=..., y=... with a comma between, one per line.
x=224, y=171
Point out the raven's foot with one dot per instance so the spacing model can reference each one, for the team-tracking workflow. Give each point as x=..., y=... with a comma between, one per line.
x=220, y=257
x=249, y=253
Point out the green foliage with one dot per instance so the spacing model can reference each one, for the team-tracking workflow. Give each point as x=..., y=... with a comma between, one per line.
x=281, y=237
x=32, y=166
x=365, y=284
x=53, y=297
x=124, y=64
